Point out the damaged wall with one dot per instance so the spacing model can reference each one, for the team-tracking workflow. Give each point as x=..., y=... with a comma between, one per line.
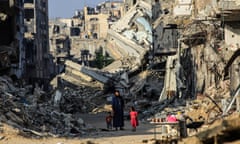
x=232, y=35
x=206, y=63
x=183, y=8
x=165, y=38
x=96, y=24
x=77, y=45
x=234, y=74
x=37, y=39
x=11, y=41
x=203, y=48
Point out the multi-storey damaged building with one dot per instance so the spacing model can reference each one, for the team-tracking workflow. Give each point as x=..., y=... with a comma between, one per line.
x=82, y=35
x=12, y=51
x=38, y=63
x=229, y=12
x=208, y=50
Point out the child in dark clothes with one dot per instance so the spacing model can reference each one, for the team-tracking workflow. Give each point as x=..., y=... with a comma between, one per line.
x=109, y=120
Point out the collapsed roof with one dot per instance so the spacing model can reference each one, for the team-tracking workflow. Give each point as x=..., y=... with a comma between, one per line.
x=130, y=38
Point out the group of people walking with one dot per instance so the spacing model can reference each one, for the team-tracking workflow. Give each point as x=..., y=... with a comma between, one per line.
x=115, y=118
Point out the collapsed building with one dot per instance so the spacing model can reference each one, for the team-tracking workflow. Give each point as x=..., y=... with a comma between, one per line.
x=206, y=63
x=12, y=50
x=164, y=50
x=138, y=44
x=194, y=45
x=127, y=43
x=198, y=51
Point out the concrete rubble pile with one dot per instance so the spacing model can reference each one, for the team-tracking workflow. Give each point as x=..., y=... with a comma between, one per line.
x=211, y=104
x=130, y=38
x=209, y=109
x=43, y=114
x=199, y=80
x=81, y=100
x=223, y=131
x=108, y=81
x=5, y=53
x=128, y=41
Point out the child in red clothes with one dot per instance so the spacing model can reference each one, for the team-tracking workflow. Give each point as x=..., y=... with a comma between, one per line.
x=133, y=117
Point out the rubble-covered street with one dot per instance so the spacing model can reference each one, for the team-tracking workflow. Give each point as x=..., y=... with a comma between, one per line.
x=176, y=61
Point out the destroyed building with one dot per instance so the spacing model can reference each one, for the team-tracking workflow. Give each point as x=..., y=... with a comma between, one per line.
x=202, y=41
x=94, y=28
x=207, y=51
x=59, y=43
x=113, y=8
x=128, y=4
x=168, y=53
x=12, y=49
x=128, y=41
x=39, y=62
x=82, y=36
x=67, y=43
x=231, y=36
x=24, y=48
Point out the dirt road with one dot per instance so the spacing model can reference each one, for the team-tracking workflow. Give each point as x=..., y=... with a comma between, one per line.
x=145, y=131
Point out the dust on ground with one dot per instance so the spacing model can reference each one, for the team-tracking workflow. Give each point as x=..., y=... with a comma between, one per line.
x=98, y=135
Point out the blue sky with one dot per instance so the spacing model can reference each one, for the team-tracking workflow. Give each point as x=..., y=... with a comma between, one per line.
x=66, y=8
